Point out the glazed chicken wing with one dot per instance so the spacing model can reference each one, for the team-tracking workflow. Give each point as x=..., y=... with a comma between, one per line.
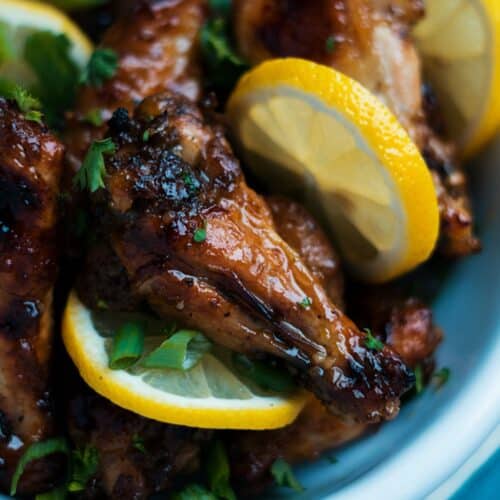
x=369, y=41
x=30, y=169
x=200, y=246
x=157, y=49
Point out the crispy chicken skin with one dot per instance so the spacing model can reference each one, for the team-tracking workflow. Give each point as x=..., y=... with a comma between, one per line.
x=137, y=456
x=240, y=283
x=370, y=42
x=157, y=49
x=30, y=169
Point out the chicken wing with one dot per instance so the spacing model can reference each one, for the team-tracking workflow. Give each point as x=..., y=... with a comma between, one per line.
x=200, y=246
x=30, y=169
x=369, y=41
x=157, y=47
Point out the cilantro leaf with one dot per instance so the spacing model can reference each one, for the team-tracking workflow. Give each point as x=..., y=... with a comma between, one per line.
x=200, y=235
x=330, y=44
x=94, y=117
x=138, y=443
x=218, y=472
x=305, y=303
x=419, y=379
x=102, y=66
x=84, y=465
x=372, y=342
x=193, y=492
x=49, y=56
x=27, y=104
x=441, y=377
x=91, y=173
x=283, y=475
x=224, y=65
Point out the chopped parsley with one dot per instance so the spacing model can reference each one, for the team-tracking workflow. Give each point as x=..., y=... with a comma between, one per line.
x=330, y=44
x=224, y=66
x=49, y=56
x=84, y=464
x=138, y=443
x=145, y=136
x=28, y=105
x=218, y=472
x=102, y=66
x=305, y=303
x=92, y=172
x=200, y=234
x=94, y=117
x=283, y=475
x=441, y=377
x=372, y=342
x=419, y=379
x=191, y=183
x=193, y=492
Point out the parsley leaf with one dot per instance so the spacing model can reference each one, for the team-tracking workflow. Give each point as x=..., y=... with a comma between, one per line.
x=330, y=44
x=84, y=465
x=200, y=234
x=419, y=379
x=91, y=173
x=138, y=443
x=94, y=117
x=224, y=66
x=102, y=66
x=48, y=55
x=372, y=342
x=441, y=377
x=193, y=492
x=283, y=475
x=27, y=104
x=306, y=302
x=218, y=472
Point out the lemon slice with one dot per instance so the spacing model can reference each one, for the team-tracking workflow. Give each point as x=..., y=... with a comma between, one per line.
x=460, y=45
x=311, y=131
x=18, y=20
x=209, y=395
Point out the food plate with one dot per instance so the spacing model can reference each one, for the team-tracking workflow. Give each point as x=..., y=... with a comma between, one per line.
x=436, y=433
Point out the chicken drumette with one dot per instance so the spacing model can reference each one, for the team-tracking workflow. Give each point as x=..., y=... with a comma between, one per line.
x=369, y=41
x=30, y=169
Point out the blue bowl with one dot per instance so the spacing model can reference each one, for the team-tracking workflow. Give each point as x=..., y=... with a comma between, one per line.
x=436, y=433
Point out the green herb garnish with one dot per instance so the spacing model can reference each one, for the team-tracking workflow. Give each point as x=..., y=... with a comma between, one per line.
x=91, y=173
x=182, y=351
x=49, y=56
x=59, y=493
x=7, y=51
x=102, y=66
x=128, y=344
x=218, y=472
x=145, y=136
x=28, y=105
x=34, y=452
x=138, y=443
x=330, y=44
x=84, y=464
x=372, y=342
x=220, y=7
x=419, y=379
x=193, y=492
x=441, y=377
x=200, y=234
x=306, y=302
x=224, y=65
x=283, y=475
x=94, y=117
x=265, y=375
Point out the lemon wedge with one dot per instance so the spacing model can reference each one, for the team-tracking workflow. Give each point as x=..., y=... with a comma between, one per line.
x=209, y=395
x=312, y=132
x=18, y=20
x=459, y=41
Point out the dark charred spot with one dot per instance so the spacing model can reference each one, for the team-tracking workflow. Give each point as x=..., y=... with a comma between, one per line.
x=5, y=427
x=119, y=122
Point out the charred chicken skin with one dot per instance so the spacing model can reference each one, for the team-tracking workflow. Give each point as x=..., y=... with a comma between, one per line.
x=201, y=247
x=370, y=42
x=30, y=169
